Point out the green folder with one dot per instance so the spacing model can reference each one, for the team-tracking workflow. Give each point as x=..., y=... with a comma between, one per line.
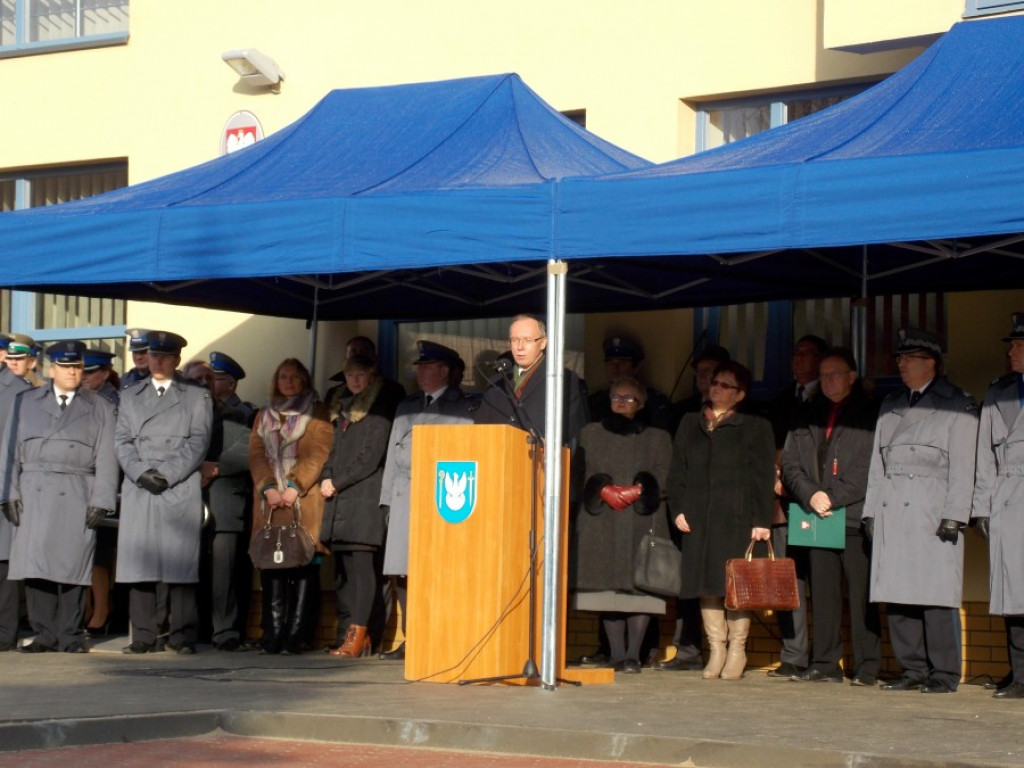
x=806, y=529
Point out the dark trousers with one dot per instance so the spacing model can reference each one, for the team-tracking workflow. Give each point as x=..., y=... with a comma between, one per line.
x=926, y=642
x=228, y=584
x=793, y=624
x=356, y=588
x=828, y=566
x=1015, y=645
x=148, y=615
x=55, y=611
x=8, y=607
x=689, y=630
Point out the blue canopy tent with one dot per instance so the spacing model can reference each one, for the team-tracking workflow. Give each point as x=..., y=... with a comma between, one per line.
x=926, y=169
x=329, y=216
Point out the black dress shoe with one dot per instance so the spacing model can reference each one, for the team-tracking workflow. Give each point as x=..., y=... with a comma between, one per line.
x=5, y=647
x=936, y=686
x=229, y=645
x=398, y=654
x=138, y=646
x=36, y=647
x=628, y=666
x=814, y=675
x=595, y=659
x=863, y=681
x=785, y=670
x=999, y=685
x=680, y=665
x=1012, y=691
x=903, y=684
x=77, y=647
x=184, y=649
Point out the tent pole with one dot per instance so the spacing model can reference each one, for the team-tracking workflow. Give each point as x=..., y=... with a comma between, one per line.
x=859, y=316
x=553, y=470
x=313, y=325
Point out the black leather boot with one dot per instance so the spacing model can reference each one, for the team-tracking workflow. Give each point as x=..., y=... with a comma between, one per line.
x=301, y=589
x=275, y=611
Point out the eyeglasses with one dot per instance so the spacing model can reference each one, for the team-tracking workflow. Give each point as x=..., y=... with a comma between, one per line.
x=623, y=398
x=833, y=376
x=909, y=356
x=523, y=341
x=723, y=385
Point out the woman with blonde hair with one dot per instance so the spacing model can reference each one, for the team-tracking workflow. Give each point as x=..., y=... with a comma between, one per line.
x=288, y=446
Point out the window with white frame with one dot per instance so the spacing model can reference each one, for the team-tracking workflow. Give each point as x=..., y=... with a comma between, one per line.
x=728, y=120
x=38, y=26
x=988, y=7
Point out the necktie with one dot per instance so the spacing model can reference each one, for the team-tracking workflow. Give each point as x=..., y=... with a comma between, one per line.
x=427, y=400
x=833, y=417
x=1020, y=390
x=159, y=391
x=914, y=397
x=800, y=393
x=63, y=401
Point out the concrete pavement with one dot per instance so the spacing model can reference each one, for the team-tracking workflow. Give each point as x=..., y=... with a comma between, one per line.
x=53, y=700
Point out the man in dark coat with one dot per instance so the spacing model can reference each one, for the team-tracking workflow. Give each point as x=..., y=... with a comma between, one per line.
x=519, y=398
x=920, y=488
x=439, y=401
x=10, y=386
x=60, y=480
x=788, y=406
x=999, y=503
x=825, y=469
x=161, y=439
x=139, y=347
x=228, y=495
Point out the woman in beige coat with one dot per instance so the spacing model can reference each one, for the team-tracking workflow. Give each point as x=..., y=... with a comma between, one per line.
x=289, y=444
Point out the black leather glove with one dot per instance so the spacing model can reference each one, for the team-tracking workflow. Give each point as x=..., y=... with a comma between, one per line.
x=949, y=530
x=95, y=515
x=982, y=526
x=869, y=528
x=153, y=481
x=12, y=511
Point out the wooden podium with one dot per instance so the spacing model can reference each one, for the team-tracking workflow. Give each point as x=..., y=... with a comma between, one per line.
x=469, y=555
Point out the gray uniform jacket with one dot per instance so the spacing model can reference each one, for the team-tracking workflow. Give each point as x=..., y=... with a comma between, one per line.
x=61, y=464
x=922, y=472
x=230, y=493
x=451, y=408
x=10, y=386
x=159, y=535
x=999, y=493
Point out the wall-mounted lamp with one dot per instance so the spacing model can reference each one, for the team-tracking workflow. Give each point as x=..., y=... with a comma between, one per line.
x=254, y=68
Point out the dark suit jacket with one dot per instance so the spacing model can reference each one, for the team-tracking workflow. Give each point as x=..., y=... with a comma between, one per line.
x=497, y=405
x=838, y=466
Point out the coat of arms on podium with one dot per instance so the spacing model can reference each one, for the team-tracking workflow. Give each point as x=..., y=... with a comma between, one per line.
x=455, y=490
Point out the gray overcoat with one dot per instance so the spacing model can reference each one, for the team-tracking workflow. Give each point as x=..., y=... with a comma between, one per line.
x=451, y=408
x=10, y=386
x=999, y=493
x=158, y=538
x=61, y=464
x=922, y=472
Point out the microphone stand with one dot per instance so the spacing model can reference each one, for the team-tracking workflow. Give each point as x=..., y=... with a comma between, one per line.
x=530, y=671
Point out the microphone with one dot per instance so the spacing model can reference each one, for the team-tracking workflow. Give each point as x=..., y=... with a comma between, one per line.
x=503, y=365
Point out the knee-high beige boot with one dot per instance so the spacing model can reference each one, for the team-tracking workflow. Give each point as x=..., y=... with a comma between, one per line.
x=736, y=658
x=712, y=612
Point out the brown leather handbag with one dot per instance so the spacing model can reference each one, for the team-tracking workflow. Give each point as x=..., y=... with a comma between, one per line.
x=762, y=583
x=282, y=546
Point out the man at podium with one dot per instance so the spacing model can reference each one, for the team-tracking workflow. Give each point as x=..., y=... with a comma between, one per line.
x=517, y=397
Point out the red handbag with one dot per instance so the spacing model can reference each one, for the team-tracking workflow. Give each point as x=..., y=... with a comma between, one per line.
x=763, y=583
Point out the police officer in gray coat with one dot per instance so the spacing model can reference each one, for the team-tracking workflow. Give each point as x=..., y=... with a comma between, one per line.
x=161, y=439
x=60, y=480
x=10, y=386
x=446, y=405
x=920, y=486
x=999, y=502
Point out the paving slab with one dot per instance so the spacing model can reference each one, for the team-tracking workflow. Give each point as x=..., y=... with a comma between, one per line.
x=670, y=718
